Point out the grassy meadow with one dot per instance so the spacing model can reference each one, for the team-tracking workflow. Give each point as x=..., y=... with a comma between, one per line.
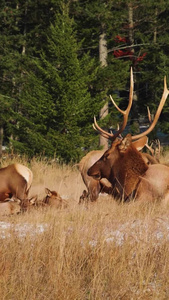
x=105, y=251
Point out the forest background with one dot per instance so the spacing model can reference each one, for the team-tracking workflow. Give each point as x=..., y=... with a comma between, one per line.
x=60, y=61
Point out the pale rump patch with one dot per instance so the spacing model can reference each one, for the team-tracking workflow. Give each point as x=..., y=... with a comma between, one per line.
x=26, y=173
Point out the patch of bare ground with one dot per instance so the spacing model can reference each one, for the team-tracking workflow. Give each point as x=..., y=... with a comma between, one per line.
x=105, y=250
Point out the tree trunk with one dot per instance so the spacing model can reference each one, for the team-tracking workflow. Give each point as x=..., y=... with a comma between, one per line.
x=155, y=28
x=1, y=139
x=103, y=60
x=134, y=112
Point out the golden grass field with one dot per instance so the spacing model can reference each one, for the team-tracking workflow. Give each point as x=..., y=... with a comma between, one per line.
x=105, y=251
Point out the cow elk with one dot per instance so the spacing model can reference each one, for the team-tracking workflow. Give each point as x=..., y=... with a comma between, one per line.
x=16, y=180
x=53, y=199
x=94, y=187
x=123, y=165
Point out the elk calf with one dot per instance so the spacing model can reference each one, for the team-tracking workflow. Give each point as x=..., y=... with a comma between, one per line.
x=54, y=199
x=28, y=204
x=10, y=207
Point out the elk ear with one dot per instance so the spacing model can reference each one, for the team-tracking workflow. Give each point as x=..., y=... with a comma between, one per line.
x=48, y=192
x=33, y=200
x=139, y=144
x=17, y=201
x=125, y=143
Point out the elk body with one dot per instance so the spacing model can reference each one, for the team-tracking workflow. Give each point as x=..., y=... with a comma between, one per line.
x=124, y=166
x=94, y=187
x=10, y=207
x=128, y=173
x=15, y=180
x=53, y=199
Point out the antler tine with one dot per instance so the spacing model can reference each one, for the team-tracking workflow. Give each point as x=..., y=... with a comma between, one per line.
x=104, y=135
x=126, y=112
x=102, y=132
x=158, y=112
x=150, y=149
x=116, y=106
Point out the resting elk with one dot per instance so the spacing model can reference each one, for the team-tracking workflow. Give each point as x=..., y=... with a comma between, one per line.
x=54, y=199
x=94, y=187
x=15, y=180
x=29, y=203
x=10, y=207
x=123, y=165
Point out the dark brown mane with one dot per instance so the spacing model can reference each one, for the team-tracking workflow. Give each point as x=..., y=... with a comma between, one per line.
x=129, y=167
x=133, y=162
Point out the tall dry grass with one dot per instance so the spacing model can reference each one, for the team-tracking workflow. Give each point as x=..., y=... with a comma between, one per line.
x=105, y=251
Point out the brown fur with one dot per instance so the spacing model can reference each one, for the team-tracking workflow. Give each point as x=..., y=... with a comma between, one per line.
x=9, y=207
x=13, y=183
x=149, y=159
x=128, y=167
x=94, y=186
x=84, y=197
x=54, y=199
x=28, y=203
x=125, y=168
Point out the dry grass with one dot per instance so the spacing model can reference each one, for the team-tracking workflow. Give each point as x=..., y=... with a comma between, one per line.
x=106, y=251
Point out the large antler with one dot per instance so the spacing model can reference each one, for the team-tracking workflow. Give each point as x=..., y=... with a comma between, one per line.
x=158, y=112
x=125, y=114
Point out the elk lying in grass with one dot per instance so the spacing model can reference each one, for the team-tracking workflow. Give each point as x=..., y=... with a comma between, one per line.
x=15, y=180
x=94, y=187
x=125, y=168
x=10, y=207
x=25, y=205
x=29, y=203
x=53, y=199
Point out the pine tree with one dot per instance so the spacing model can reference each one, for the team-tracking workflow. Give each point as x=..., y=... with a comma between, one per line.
x=56, y=106
x=95, y=19
x=11, y=40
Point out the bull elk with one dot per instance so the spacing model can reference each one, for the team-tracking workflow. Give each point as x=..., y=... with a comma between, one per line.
x=16, y=180
x=94, y=187
x=123, y=165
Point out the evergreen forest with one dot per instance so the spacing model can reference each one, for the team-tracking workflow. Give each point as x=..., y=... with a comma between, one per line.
x=61, y=59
